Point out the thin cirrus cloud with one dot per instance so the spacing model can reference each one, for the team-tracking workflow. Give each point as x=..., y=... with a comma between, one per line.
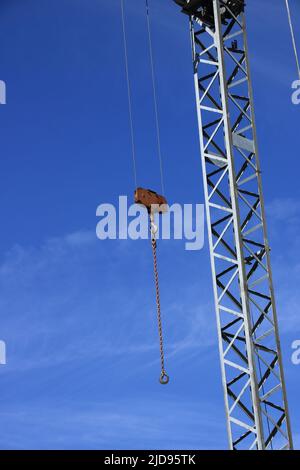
x=284, y=221
x=83, y=351
x=110, y=426
x=80, y=328
x=65, y=302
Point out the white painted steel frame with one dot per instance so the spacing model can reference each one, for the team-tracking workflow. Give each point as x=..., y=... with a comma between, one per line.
x=251, y=362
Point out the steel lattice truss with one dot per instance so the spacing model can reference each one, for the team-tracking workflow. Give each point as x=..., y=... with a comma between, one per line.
x=255, y=396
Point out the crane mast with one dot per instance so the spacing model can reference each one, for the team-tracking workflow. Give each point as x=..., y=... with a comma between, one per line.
x=251, y=360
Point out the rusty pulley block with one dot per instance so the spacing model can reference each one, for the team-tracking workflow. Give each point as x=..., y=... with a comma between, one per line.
x=155, y=203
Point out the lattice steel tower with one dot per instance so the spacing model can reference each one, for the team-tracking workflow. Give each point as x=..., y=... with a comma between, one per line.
x=251, y=361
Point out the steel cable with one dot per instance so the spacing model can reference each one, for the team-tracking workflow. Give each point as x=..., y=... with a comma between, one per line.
x=293, y=36
x=129, y=95
x=155, y=98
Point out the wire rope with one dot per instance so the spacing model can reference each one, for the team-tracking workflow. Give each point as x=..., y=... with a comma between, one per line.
x=155, y=97
x=293, y=36
x=133, y=150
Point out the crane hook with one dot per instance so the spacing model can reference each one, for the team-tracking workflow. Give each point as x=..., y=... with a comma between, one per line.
x=155, y=204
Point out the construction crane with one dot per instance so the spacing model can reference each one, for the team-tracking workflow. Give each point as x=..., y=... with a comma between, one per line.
x=251, y=361
x=256, y=404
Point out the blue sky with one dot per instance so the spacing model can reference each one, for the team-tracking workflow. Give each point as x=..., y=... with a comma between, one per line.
x=78, y=314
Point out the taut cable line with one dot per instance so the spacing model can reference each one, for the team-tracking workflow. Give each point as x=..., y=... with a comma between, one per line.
x=155, y=98
x=129, y=94
x=293, y=36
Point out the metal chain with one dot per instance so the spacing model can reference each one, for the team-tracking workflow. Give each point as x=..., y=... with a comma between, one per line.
x=164, y=378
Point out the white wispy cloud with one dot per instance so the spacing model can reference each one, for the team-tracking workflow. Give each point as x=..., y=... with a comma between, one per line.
x=284, y=223
x=114, y=425
x=285, y=210
x=71, y=300
x=296, y=438
x=74, y=307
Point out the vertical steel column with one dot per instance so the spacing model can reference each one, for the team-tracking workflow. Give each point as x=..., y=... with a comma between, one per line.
x=251, y=362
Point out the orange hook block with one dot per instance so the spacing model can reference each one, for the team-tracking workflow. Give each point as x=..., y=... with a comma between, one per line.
x=151, y=200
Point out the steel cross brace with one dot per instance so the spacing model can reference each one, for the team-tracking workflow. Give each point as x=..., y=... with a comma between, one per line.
x=251, y=361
